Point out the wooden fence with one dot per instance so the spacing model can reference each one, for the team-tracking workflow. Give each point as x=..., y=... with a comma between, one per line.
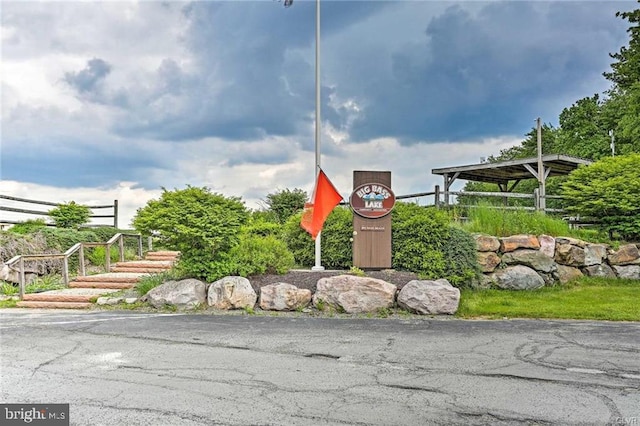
x=28, y=213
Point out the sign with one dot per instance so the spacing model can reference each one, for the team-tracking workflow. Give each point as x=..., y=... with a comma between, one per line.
x=372, y=200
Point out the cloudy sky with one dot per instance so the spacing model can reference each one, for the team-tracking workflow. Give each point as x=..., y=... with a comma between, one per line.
x=118, y=99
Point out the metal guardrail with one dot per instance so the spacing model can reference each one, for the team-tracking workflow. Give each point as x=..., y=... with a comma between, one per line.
x=76, y=248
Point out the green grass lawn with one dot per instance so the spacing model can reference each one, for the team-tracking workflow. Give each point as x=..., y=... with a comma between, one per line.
x=588, y=298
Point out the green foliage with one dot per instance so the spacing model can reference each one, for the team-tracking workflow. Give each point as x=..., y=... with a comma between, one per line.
x=202, y=225
x=461, y=264
x=608, y=190
x=424, y=242
x=336, y=240
x=286, y=203
x=97, y=255
x=262, y=224
x=8, y=289
x=70, y=215
x=256, y=255
x=418, y=235
x=626, y=70
x=61, y=239
x=502, y=223
x=149, y=282
x=28, y=227
x=45, y=283
x=354, y=270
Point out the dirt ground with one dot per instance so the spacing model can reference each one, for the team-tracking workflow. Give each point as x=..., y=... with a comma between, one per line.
x=308, y=279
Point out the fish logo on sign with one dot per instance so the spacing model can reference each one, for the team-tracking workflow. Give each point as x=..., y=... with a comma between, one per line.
x=372, y=200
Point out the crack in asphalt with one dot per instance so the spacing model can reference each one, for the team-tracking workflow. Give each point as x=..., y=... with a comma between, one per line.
x=54, y=359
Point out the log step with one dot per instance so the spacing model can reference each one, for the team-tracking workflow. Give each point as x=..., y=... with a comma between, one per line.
x=59, y=297
x=54, y=305
x=102, y=284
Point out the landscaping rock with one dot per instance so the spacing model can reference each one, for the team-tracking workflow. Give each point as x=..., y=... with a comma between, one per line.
x=283, y=297
x=11, y=275
x=571, y=241
x=488, y=261
x=547, y=245
x=629, y=272
x=515, y=242
x=625, y=255
x=603, y=270
x=231, y=293
x=105, y=300
x=569, y=255
x=532, y=258
x=566, y=274
x=429, y=297
x=594, y=254
x=354, y=294
x=184, y=294
x=518, y=277
x=486, y=243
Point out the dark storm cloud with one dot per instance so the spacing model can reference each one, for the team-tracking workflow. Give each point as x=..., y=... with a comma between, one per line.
x=486, y=74
x=253, y=79
x=86, y=80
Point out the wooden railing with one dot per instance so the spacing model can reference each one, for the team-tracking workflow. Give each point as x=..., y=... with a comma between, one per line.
x=113, y=206
x=18, y=262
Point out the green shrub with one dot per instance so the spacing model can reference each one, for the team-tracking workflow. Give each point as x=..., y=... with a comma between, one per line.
x=418, y=237
x=96, y=255
x=461, y=264
x=256, y=255
x=336, y=240
x=149, y=282
x=609, y=191
x=28, y=227
x=70, y=215
x=202, y=225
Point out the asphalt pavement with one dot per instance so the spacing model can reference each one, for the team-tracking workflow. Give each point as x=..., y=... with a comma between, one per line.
x=126, y=368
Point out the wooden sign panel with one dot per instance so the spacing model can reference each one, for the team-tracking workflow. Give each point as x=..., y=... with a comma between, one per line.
x=372, y=201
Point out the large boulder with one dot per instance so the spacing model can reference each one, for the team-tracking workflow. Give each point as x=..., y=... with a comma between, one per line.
x=12, y=275
x=488, y=261
x=516, y=242
x=184, y=294
x=486, y=243
x=429, y=297
x=603, y=270
x=567, y=274
x=569, y=254
x=518, y=277
x=231, y=293
x=594, y=254
x=283, y=297
x=354, y=294
x=625, y=255
x=547, y=245
x=532, y=258
x=629, y=272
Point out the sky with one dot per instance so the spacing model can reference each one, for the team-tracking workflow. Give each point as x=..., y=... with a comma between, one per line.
x=120, y=99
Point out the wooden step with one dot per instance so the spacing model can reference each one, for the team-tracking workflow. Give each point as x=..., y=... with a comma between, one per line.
x=59, y=297
x=108, y=278
x=102, y=284
x=147, y=264
x=139, y=270
x=54, y=305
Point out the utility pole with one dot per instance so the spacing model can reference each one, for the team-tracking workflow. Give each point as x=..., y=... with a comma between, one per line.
x=542, y=205
x=613, y=143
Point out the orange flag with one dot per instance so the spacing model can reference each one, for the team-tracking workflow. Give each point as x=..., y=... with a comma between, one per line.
x=325, y=198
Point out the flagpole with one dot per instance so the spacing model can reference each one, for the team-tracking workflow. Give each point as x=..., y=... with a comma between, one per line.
x=318, y=251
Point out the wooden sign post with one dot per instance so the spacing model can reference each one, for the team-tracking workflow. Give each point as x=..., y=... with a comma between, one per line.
x=372, y=201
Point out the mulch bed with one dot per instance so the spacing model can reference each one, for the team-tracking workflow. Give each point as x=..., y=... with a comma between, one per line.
x=308, y=279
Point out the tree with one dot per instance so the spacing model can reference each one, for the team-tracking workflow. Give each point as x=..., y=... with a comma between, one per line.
x=284, y=204
x=202, y=225
x=583, y=132
x=70, y=215
x=626, y=70
x=609, y=191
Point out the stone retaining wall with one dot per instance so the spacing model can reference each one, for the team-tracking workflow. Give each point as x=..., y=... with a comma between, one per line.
x=529, y=261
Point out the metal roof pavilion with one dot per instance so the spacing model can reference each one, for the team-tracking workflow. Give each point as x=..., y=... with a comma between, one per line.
x=507, y=174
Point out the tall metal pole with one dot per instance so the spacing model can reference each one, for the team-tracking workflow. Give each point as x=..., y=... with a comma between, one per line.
x=318, y=264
